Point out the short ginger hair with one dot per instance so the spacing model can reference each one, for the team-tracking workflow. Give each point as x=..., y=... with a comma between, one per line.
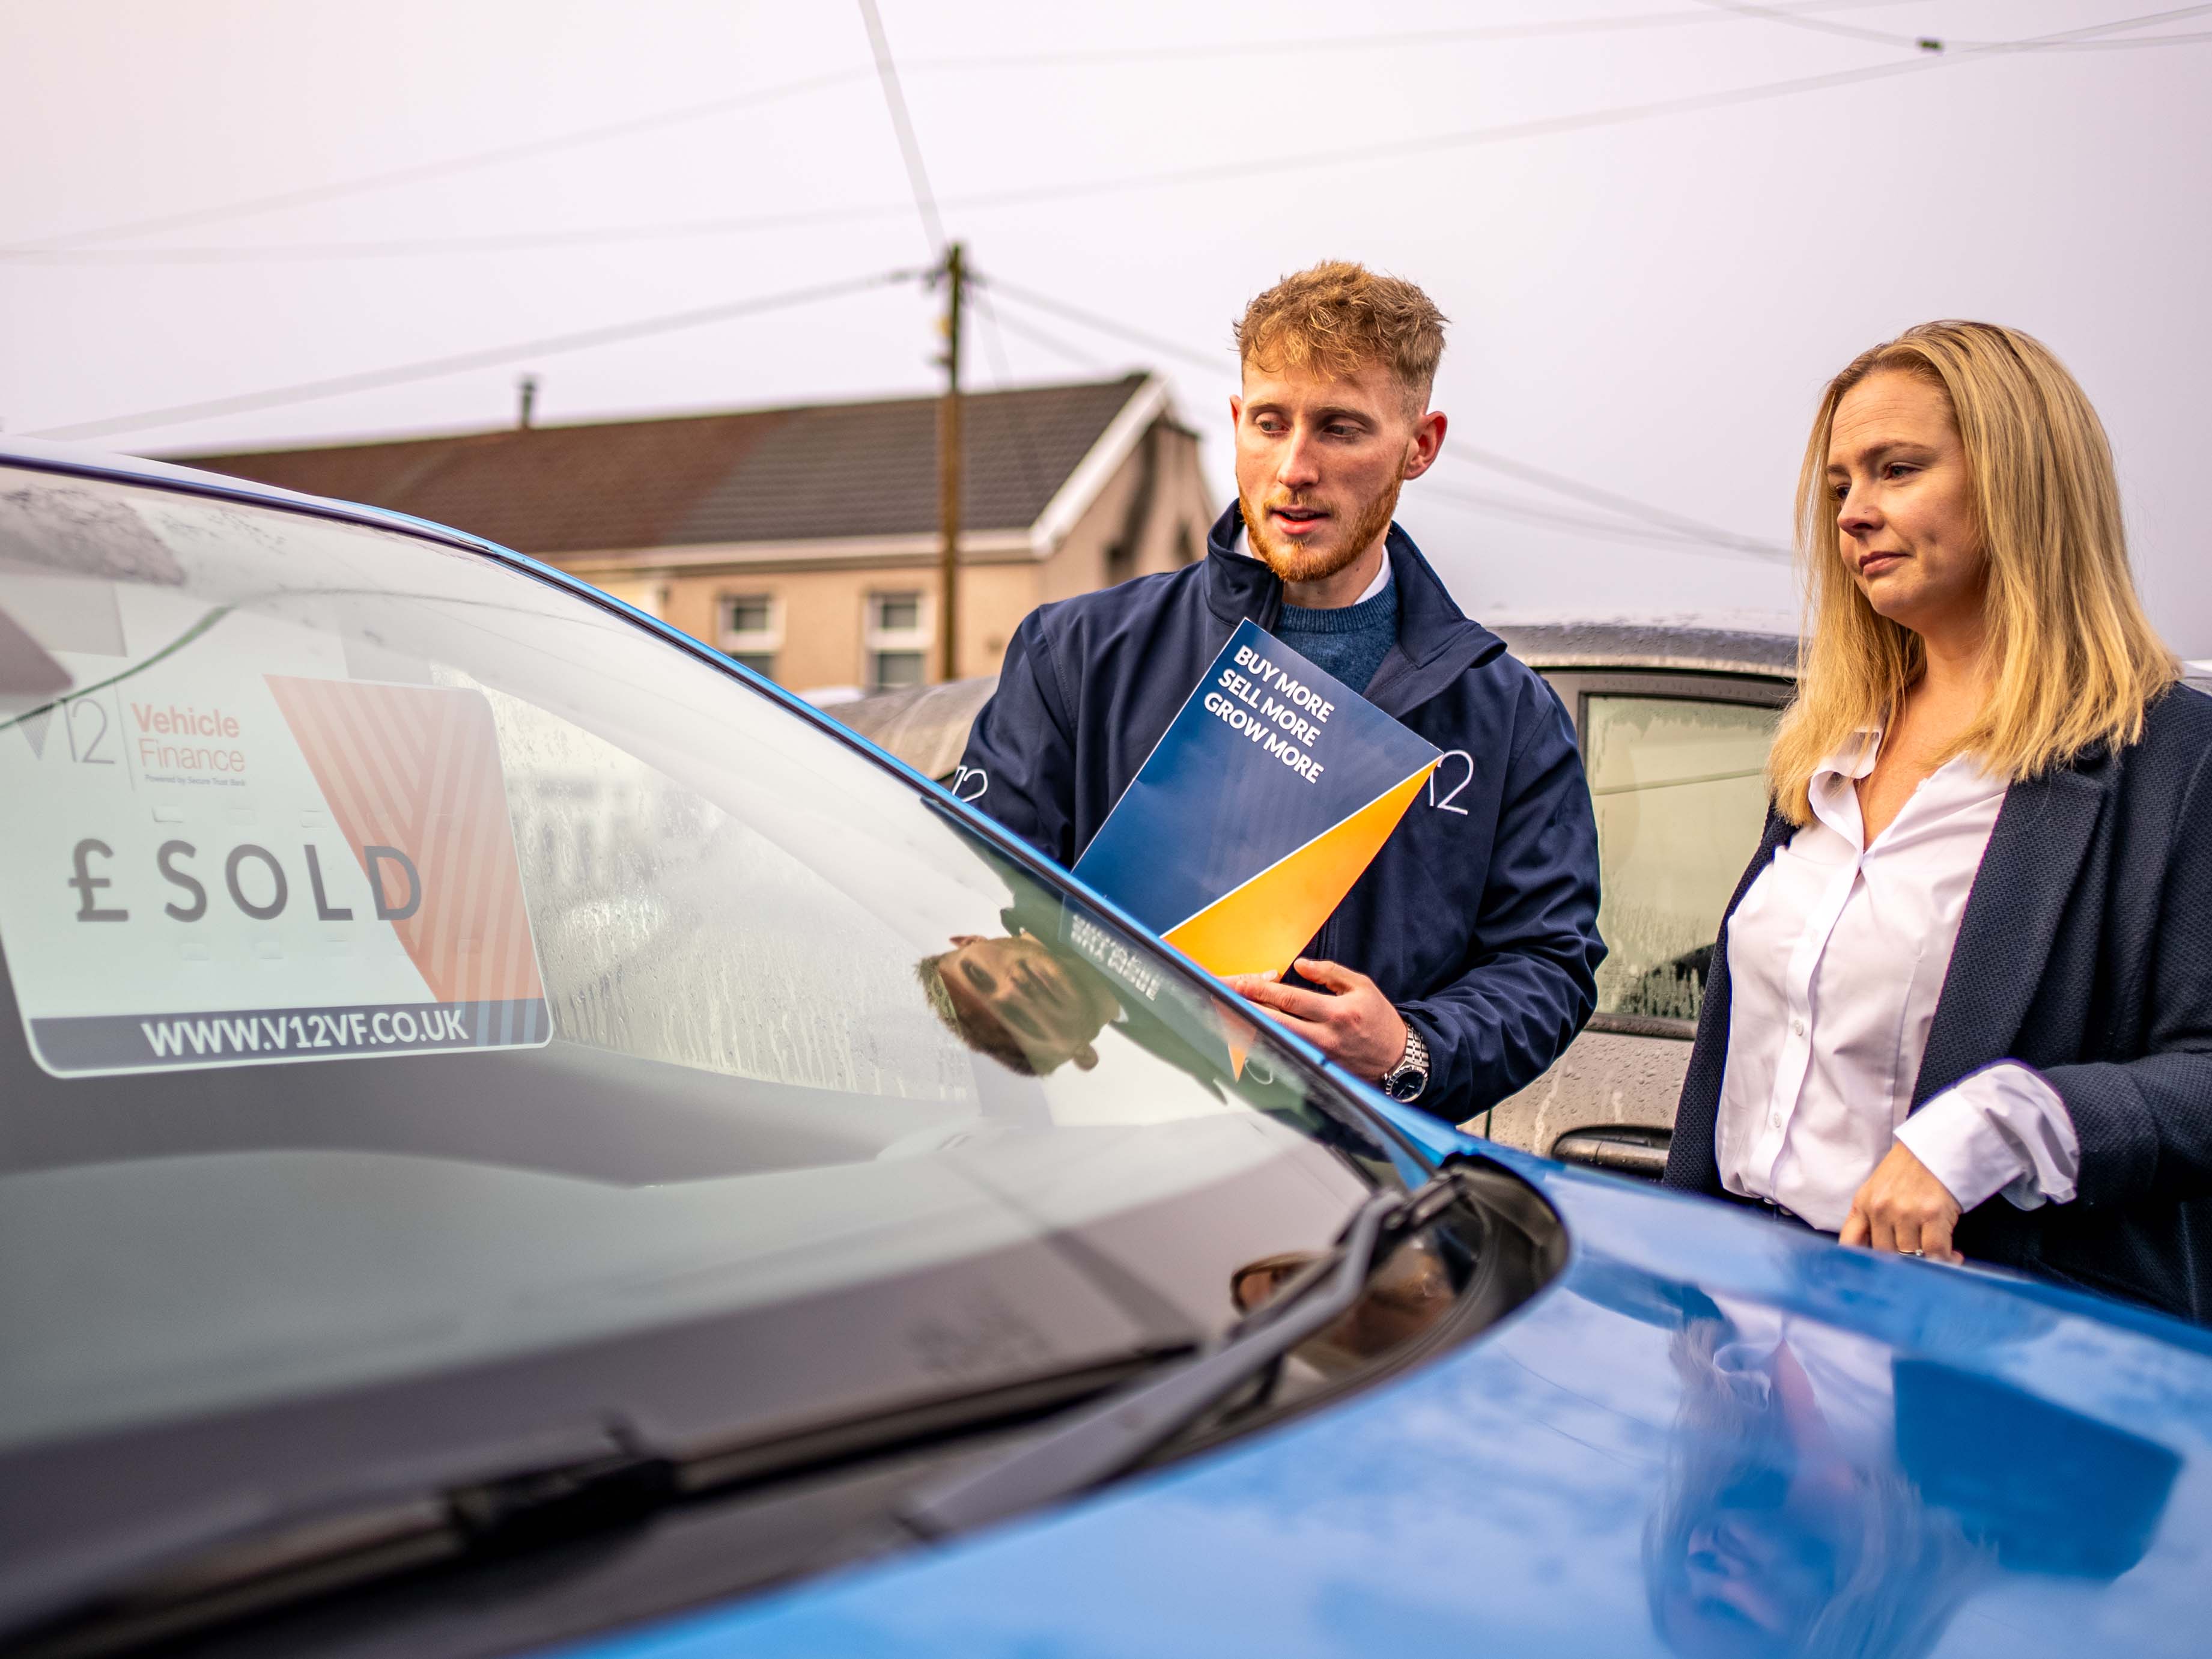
x=1336, y=317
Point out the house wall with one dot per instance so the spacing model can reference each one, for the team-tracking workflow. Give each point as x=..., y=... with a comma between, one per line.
x=822, y=613
x=1165, y=525
x=822, y=616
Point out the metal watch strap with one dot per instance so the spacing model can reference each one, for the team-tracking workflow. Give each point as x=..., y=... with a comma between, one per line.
x=1413, y=1060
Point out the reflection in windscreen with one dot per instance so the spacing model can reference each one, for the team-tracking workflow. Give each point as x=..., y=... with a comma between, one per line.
x=414, y=963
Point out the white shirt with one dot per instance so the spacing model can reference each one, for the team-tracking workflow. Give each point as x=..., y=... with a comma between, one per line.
x=1837, y=958
x=1381, y=582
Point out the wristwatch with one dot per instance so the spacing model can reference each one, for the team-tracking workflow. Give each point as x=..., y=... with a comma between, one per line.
x=1406, y=1080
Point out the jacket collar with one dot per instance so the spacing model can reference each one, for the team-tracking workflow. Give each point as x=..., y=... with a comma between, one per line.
x=1436, y=642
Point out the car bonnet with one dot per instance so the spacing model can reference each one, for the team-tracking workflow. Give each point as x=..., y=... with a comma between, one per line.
x=1712, y=1433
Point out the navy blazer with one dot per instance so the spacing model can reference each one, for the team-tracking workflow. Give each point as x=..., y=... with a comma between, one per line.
x=1479, y=917
x=2085, y=951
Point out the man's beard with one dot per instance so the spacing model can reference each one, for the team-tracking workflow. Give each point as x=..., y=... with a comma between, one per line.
x=1294, y=563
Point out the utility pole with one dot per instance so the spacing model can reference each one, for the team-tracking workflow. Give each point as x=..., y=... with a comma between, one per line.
x=948, y=469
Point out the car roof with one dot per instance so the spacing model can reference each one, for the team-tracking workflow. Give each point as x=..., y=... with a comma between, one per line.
x=137, y=468
x=925, y=725
x=1671, y=645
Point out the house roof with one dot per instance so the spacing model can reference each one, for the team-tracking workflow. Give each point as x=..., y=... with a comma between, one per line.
x=820, y=471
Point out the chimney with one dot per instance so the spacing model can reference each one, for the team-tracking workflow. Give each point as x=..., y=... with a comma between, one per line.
x=528, y=387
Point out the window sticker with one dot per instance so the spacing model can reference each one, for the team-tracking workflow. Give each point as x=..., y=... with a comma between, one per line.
x=219, y=850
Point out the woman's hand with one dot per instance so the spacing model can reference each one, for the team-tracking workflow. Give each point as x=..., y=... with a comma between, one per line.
x=1902, y=1207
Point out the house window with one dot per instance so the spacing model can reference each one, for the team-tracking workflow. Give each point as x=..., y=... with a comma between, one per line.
x=891, y=670
x=897, y=640
x=896, y=613
x=751, y=630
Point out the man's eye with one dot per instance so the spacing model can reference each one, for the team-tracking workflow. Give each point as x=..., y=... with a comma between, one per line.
x=976, y=978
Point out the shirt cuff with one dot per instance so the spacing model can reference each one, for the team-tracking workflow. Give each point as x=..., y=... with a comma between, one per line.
x=2003, y=1130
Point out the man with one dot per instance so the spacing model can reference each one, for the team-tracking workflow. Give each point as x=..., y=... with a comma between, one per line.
x=1464, y=959
x=1012, y=998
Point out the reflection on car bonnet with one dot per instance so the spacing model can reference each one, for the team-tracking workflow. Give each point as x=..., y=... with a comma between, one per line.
x=1824, y=1499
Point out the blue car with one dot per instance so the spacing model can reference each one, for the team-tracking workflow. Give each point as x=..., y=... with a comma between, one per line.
x=517, y=1137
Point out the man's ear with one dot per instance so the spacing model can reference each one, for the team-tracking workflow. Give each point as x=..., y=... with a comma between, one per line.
x=1085, y=1057
x=1235, y=408
x=961, y=941
x=1428, y=438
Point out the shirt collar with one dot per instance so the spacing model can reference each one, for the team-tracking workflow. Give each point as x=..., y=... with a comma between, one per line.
x=1382, y=576
x=1835, y=801
x=1854, y=758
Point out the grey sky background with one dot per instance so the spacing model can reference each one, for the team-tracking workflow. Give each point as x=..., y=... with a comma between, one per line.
x=1648, y=306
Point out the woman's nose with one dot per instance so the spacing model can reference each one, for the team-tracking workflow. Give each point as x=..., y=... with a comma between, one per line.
x=1857, y=516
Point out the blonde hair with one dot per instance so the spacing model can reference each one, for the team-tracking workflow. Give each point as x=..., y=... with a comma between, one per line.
x=1336, y=317
x=2074, y=661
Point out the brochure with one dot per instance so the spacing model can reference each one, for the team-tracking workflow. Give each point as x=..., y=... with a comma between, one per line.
x=1274, y=788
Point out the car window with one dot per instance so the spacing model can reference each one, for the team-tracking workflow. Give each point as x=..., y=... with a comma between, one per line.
x=1678, y=785
x=414, y=964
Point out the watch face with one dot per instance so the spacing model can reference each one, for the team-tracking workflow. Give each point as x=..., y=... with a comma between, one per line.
x=1405, y=1086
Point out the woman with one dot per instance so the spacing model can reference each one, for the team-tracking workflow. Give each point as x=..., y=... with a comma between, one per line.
x=1962, y=1004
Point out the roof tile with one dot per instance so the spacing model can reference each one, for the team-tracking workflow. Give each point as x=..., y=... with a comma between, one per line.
x=822, y=471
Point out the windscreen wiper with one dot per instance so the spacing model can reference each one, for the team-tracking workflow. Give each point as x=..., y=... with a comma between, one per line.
x=1110, y=1438
x=610, y=1481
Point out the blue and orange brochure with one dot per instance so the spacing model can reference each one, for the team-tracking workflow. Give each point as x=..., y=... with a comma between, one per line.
x=1274, y=787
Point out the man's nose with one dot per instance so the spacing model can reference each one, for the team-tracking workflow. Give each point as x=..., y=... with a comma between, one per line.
x=1297, y=470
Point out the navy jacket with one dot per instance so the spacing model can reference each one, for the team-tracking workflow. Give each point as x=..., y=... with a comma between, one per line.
x=1479, y=917
x=2085, y=951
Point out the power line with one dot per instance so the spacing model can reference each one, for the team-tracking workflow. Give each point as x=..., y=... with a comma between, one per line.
x=1106, y=325
x=1034, y=335
x=903, y=124
x=1656, y=517
x=1825, y=26
x=56, y=250
x=1002, y=379
x=337, y=189
x=1603, y=529
x=410, y=247
x=545, y=346
x=1553, y=27
x=1173, y=177
x=1657, y=521
x=2083, y=37
x=1349, y=155
x=426, y=170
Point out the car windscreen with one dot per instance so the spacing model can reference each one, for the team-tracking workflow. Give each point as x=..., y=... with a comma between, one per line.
x=411, y=964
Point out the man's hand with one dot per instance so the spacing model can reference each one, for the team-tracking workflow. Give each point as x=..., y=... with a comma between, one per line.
x=1903, y=1207
x=1350, y=1020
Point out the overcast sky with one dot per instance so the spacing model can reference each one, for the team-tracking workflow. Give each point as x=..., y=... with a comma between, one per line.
x=1646, y=306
